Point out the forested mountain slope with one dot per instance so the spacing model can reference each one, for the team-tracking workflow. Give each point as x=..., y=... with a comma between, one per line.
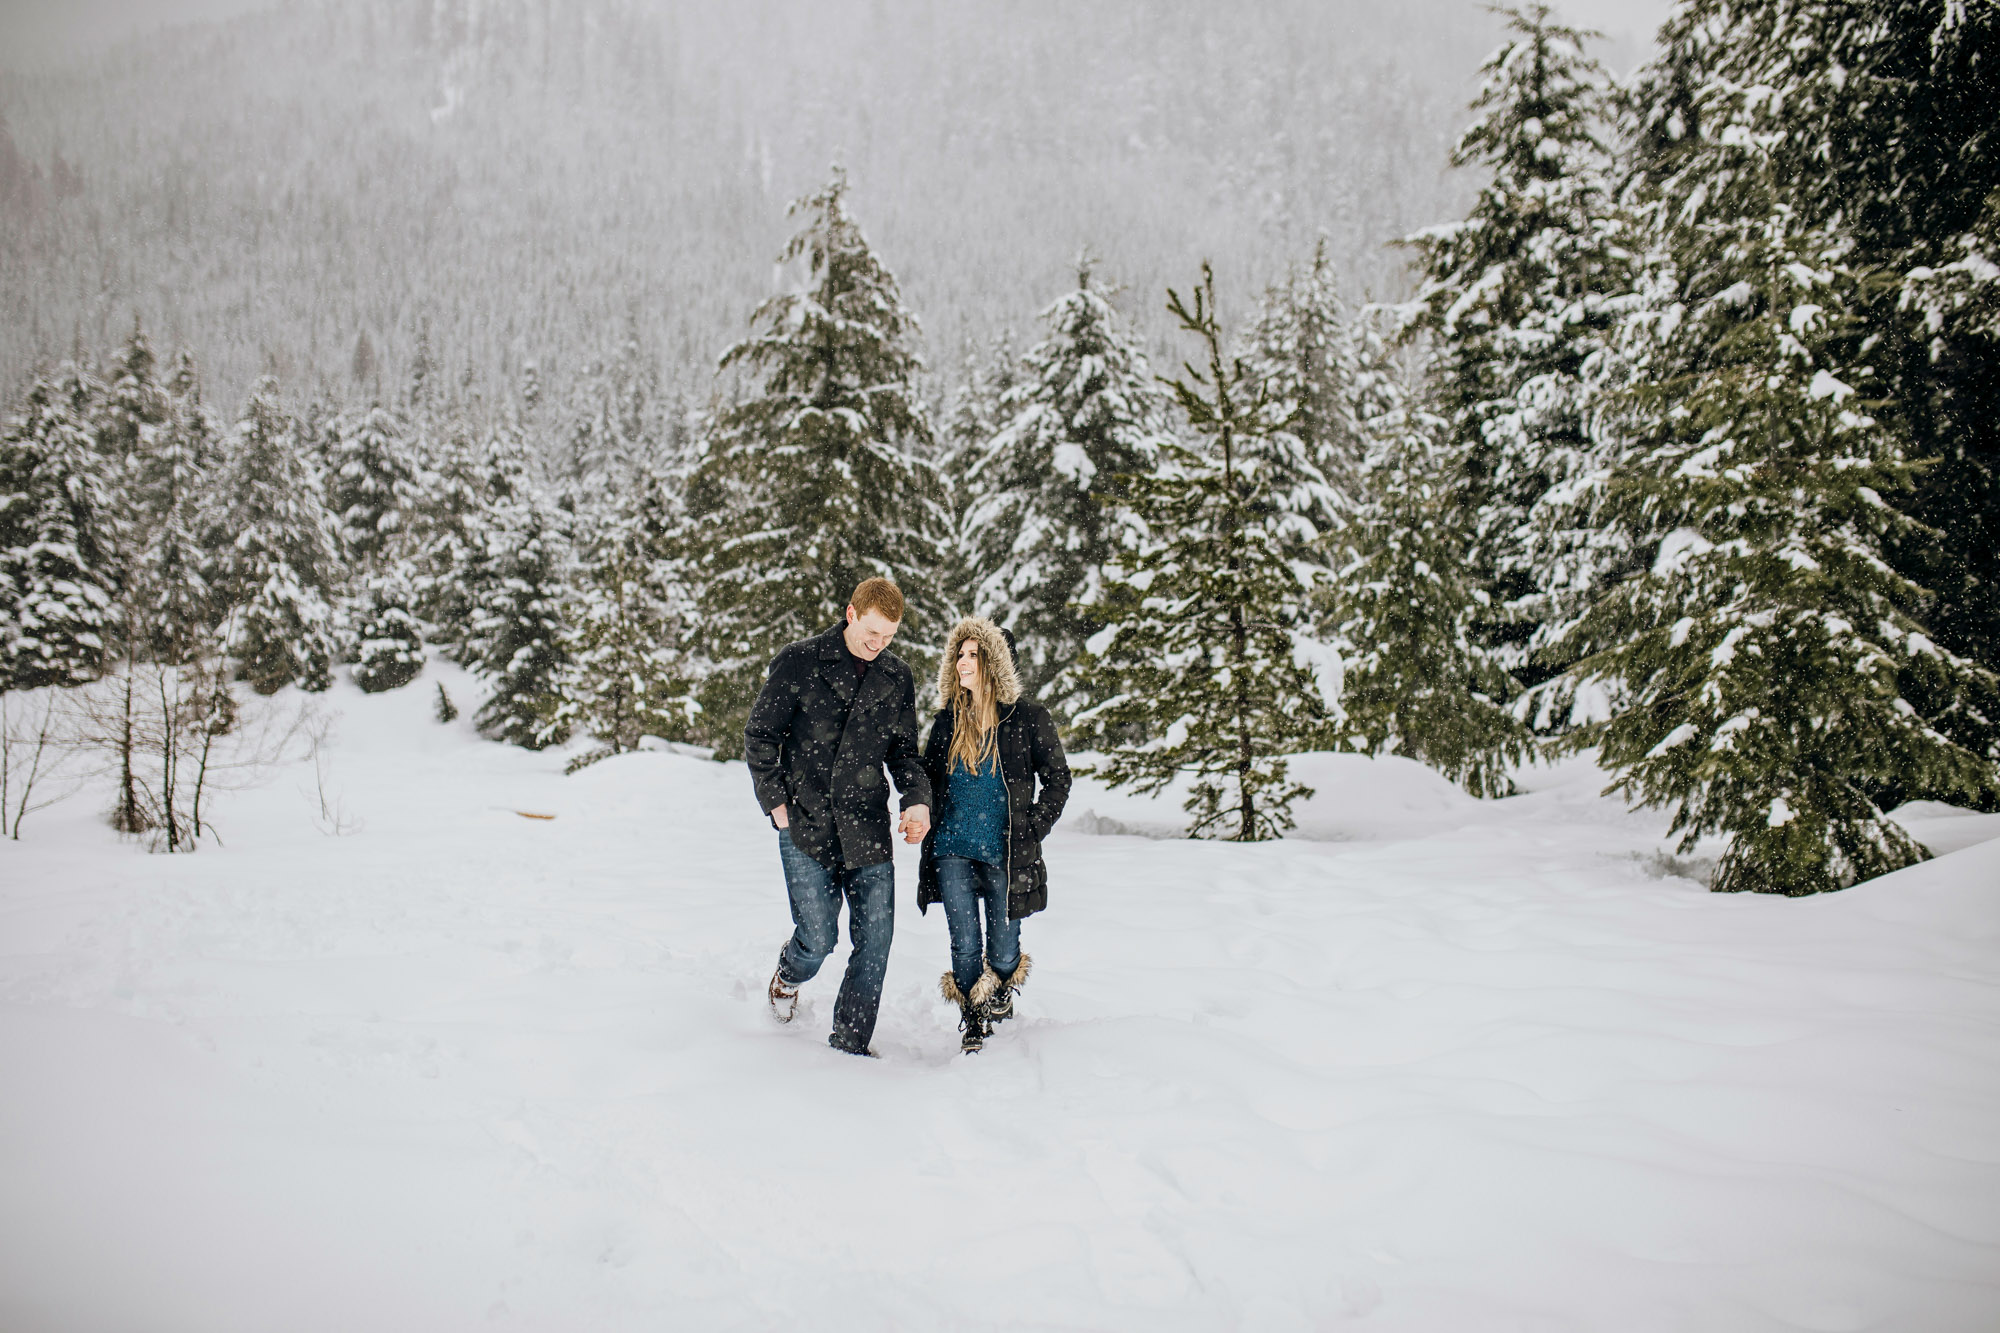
x=526, y=174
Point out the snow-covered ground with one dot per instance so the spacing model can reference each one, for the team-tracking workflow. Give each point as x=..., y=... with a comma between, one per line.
x=1436, y=1065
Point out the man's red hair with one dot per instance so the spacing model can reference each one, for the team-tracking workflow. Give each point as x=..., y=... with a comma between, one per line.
x=877, y=595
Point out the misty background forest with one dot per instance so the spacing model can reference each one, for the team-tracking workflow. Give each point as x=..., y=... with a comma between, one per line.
x=535, y=178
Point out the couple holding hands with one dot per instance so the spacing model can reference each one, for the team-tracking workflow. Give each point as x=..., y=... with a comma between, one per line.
x=836, y=712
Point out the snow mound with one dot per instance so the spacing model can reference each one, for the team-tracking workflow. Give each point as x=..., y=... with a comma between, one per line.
x=1355, y=798
x=1957, y=893
x=1945, y=828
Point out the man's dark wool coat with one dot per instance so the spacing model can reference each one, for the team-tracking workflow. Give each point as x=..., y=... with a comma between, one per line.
x=817, y=742
x=1029, y=750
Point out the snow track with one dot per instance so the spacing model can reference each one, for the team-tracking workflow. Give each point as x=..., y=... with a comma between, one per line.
x=1443, y=1065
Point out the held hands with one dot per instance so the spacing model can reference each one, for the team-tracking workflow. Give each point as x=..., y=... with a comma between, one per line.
x=914, y=824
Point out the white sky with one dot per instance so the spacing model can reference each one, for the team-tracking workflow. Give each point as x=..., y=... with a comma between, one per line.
x=32, y=31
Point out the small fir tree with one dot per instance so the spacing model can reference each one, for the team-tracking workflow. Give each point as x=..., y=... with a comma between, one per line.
x=371, y=485
x=1416, y=681
x=818, y=476
x=971, y=420
x=447, y=492
x=167, y=495
x=389, y=640
x=626, y=673
x=277, y=569
x=1050, y=512
x=1302, y=349
x=56, y=573
x=1202, y=668
x=518, y=619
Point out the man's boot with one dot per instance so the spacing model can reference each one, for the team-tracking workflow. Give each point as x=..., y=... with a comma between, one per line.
x=1001, y=1006
x=783, y=995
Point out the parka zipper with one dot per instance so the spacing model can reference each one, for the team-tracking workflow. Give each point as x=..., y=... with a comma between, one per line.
x=1007, y=847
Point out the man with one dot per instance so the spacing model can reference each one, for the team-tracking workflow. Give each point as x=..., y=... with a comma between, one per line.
x=835, y=712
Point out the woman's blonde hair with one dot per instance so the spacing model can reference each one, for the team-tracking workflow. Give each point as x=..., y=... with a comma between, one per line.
x=975, y=730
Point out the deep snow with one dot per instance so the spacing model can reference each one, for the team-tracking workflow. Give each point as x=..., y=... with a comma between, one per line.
x=1437, y=1064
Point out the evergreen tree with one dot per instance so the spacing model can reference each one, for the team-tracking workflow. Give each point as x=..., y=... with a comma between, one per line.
x=1416, y=680
x=389, y=648
x=56, y=575
x=502, y=483
x=971, y=420
x=818, y=475
x=1202, y=667
x=276, y=571
x=627, y=675
x=1051, y=511
x=168, y=489
x=1884, y=137
x=1769, y=647
x=372, y=485
x=1302, y=349
x=518, y=618
x=446, y=495
x=134, y=405
x=1521, y=297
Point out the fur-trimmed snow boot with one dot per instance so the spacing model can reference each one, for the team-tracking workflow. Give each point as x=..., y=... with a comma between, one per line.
x=972, y=1029
x=1001, y=1007
x=784, y=996
x=972, y=1020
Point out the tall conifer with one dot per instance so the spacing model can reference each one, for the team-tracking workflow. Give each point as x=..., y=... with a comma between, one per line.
x=57, y=577
x=1050, y=510
x=277, y=570
x=1520, y=298
x=1203, y=668
x=818, y=475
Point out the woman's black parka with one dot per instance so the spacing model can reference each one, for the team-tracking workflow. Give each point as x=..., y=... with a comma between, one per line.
x=1030, y=754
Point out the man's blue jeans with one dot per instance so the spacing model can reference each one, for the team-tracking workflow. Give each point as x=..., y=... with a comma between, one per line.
x=816, y=893
x=968, y=888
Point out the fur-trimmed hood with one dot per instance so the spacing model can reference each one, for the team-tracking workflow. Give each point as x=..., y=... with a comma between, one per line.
x=993, y=647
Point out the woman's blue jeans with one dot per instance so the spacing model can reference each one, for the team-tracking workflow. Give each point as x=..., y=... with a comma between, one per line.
x=968, y=889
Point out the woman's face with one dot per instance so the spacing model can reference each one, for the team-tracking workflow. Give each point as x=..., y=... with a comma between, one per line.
x=968, y=666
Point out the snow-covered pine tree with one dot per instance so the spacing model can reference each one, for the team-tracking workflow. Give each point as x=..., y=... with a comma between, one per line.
x=626, y=673
x=1202, y=667
x=974, y=415
x=446, y=498
x=818, y=474
x=1416, y=680
x=278, y=567
x=389, y=640
x=1302, y=349
x=1050, y=512
x=501, y=482
x=371, y=484
x=1520, y=298
x=1877, y=124
x=167, y=492
x=1769, y=646
x=971, y=419
x=56, y=559
x=134, y=403
x=520, y=591
x=1775, y=660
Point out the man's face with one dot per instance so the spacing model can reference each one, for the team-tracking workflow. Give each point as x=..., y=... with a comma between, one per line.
x=868, y=633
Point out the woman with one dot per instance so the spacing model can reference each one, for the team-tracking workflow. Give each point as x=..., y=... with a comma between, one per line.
x=983, y=856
